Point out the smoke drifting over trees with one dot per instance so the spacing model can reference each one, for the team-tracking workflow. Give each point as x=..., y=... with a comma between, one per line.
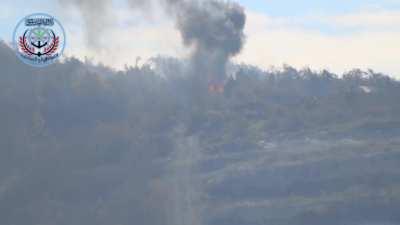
x=83, y=144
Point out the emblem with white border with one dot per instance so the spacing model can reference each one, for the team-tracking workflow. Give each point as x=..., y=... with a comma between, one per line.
x=39, y=39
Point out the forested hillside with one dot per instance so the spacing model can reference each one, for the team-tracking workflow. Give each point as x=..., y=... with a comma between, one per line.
x=82, y=144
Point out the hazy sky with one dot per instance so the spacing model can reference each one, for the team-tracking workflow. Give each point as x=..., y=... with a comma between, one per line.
x=334, y=34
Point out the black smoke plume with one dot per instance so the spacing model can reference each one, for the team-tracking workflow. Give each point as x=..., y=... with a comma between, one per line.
x=214, y=29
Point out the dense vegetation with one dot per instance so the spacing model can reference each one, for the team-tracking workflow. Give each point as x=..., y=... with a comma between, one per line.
x=82, y=144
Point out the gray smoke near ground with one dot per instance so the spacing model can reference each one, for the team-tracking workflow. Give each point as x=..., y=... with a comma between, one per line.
x=213, y=28
x=183, y=181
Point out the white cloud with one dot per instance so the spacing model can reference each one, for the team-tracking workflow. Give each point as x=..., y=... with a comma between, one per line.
x=368, y=19
x=272, y=42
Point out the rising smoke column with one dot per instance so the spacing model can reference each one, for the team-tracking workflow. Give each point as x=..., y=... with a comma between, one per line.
x=96, y=16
